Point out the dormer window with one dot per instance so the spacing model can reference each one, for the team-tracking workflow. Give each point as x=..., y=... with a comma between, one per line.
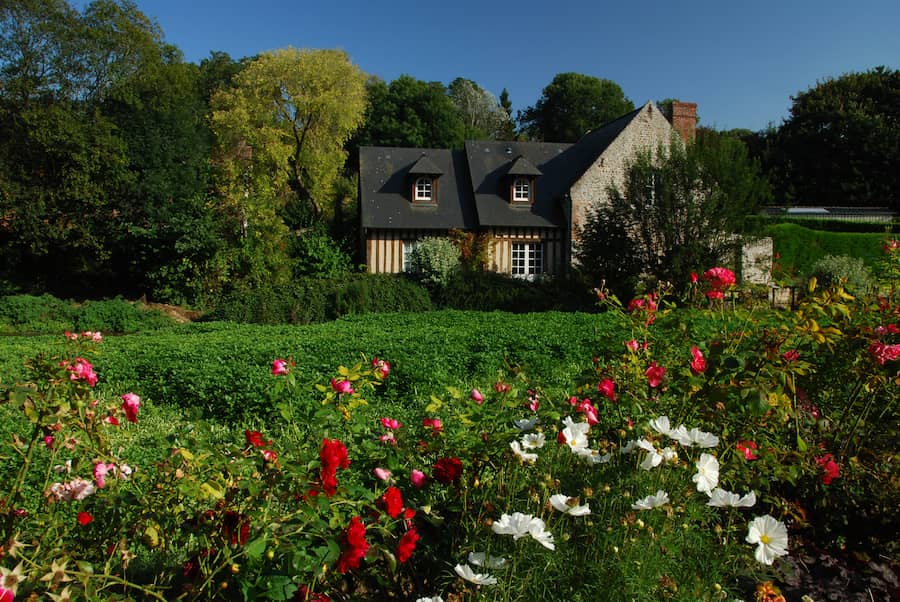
x=423, y=181
x=521, y=190
x=520, y=177
x=424, y=190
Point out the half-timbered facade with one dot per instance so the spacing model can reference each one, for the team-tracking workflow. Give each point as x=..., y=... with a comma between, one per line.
x=529, y=198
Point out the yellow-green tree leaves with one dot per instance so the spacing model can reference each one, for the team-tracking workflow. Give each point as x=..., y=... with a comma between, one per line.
x=280, y=131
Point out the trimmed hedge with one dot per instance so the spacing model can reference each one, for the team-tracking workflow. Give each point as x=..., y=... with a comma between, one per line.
x=800, y=248
x=757, y=222
x=490, y=291
x=312, y=300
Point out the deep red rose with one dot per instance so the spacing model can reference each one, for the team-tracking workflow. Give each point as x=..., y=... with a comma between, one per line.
x=85, y=518
x=392, y=501
x=447, y=470
x=332, y=456
x=407, y=545
x=355, y=546
x=236, y=527
x=255, y=439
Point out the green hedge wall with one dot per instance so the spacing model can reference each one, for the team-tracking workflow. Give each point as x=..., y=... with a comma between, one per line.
x=800, y=248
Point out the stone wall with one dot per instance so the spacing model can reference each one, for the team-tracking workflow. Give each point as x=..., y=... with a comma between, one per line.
x=756, y=261
x=647, y=130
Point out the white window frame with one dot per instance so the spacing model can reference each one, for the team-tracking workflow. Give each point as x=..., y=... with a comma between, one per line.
x=521, y=190
x=407, y=265
x=424, y=189
x=527, y=260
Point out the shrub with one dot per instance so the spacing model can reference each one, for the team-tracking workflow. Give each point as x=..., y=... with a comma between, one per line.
x=29, y=314
x=378, y=293
x=832, y=270
x=318, y=254
x=118, y=316
x=435, y=260
x=490, y=291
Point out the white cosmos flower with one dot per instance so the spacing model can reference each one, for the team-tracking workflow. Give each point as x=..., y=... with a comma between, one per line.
x=651, y=501
x=661, y=425
x=466, y=572
x=525, y=424
x=488, y=562
x=575, y=434
x=533, y=441
x=567, y=505
x=593, y=456
x=653, y=459
x=516, y=447
x=431, y=599
x=694, y=437
x=670, y=454
x=720, y=498
x=519, y=525
x=707, y=476
x=771, y=537
x=628, y=447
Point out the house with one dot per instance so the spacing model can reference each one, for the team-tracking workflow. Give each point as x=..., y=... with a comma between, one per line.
x=530, y=198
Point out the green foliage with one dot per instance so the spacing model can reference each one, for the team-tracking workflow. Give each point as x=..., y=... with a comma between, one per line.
x=490, y=291
x=799, y=248
x=29, y=314
x=412, y=113
x=26, y=314
x=317, y=254
x=312, y=300
x=209, y=510
x=434, y=260
x=850, y=272
x=839, y=145
x=483, y=116
x=572, y=105
x=680, y=209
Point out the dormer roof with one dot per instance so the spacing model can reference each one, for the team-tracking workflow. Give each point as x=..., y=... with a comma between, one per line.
x=521, y=166
x=425, y=167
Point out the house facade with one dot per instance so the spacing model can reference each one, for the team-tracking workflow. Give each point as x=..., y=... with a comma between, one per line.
x=530, y=198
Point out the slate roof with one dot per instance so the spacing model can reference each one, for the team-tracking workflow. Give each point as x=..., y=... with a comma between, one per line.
x=384, y=189
x=473, y=188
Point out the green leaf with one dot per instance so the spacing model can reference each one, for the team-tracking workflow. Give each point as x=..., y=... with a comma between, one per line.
x=801, y=444
x=255, y=548
x=279, y=587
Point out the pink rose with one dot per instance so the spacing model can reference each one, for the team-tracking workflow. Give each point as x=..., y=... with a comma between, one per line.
x=418, y=478
x=130, y=405
x=390, y=423
x=279, y=367
x=382, y=473
x=607, y=388
x=476, y=396
x=343, y=387
x=698, y=362
x=655, y=374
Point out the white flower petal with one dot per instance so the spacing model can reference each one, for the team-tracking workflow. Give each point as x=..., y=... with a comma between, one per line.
x=466, y=572
x=651, y=501
x=488, y=562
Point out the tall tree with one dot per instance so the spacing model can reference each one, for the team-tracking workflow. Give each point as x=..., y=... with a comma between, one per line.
x=411, y=112
x=280, y=132
x=679, y=210
x=841, y=143
x=508, y=129
x=573, y=104
x=482, y=115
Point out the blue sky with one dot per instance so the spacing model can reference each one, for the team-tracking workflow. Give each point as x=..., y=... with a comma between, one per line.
x=739, y=60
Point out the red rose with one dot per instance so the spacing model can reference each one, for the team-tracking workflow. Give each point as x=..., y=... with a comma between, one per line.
x=447, y=470
x=407, y=545
x=355, y=546
x=392, y=501
x=332, y=456
x=85, y=518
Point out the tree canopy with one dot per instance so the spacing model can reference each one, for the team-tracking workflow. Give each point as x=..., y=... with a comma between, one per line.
x=573, y=104
x=679, y=210
x=840, y=145
x=413, y=113
x=482, y=114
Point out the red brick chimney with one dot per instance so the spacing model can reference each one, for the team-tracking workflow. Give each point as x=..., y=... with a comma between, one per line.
x=684, y=119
